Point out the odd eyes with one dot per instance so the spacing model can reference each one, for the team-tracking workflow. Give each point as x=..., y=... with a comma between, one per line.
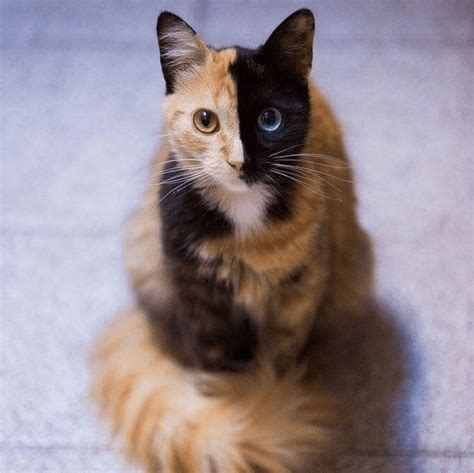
x=206, y=121
x=269, y=120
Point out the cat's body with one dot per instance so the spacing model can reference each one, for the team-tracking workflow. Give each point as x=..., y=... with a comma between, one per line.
x=246, y=240
x=276, y=273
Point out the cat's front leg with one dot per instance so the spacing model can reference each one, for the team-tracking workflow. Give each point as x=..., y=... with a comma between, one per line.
x=295, y=305
x=205, y=333
x=221, y=338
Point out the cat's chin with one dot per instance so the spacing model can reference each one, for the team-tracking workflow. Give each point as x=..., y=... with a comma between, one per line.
x=235, y=188
x=231, y=185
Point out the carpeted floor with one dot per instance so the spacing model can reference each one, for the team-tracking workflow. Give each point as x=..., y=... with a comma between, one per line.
x=80, y=107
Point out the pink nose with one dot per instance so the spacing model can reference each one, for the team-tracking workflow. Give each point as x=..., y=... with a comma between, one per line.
x=236, y=164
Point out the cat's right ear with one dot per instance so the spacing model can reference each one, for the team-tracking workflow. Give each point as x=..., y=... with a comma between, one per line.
x=181, y=49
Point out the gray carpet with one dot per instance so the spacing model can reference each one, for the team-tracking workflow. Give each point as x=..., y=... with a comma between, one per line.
x=80, y=108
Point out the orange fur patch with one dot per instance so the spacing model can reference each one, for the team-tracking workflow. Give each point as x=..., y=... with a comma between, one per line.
x=169, y=417
x=174, y=420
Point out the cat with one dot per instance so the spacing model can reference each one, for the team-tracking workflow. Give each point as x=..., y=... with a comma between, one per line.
x=245, y=246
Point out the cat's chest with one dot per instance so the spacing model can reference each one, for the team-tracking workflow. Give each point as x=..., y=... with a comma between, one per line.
x=245, y=211
x=246, y=285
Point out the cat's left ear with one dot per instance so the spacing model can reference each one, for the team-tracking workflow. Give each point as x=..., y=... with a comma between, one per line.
x=181, y=49
x=291, y=44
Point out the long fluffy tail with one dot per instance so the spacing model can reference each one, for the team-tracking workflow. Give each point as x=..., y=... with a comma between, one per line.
x=174, y=420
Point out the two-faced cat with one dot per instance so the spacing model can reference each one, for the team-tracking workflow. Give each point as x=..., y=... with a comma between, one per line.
x=246, y=242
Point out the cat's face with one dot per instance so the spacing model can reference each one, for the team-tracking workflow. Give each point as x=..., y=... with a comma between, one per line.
x=230, y=113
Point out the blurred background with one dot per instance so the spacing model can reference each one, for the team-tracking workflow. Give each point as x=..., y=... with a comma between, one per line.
x=81, y=92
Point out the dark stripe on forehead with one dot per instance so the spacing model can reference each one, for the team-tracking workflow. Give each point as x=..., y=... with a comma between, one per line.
x=261, y=85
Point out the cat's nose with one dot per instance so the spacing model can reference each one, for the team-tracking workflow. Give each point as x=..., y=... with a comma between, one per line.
x=235, y=163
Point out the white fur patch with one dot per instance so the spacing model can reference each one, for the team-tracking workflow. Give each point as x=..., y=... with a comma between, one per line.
x=246, y=210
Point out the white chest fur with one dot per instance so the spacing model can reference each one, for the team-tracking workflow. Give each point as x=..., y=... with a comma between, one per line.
x=246, y=210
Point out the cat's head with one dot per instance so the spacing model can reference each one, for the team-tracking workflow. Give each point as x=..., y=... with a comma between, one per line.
x=230, y=112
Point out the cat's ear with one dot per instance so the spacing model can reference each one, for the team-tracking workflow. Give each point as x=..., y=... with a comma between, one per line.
x=291, y=43
x=181, y=49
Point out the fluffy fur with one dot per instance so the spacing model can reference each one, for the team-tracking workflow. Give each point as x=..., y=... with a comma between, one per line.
x=245, y=245
x=173, y=420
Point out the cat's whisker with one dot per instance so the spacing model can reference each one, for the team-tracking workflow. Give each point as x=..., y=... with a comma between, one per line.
x=310, y=178
x=182, y=182
x=335, y=161
x=133, y=134
x=313, y=155
x=176, y=189
x=179, y=170
x=188, y=176
x=274, y=182
x=174, y=181
x=175, y=170
x=208, y=180
x=316, y=163
x=286, y=149
x=310, y=171
x=182, y=172
x=180, y=161
x=296, y=173
x=298, y=179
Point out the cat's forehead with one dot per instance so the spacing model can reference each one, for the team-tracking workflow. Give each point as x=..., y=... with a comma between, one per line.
x=228, y=76
x=213, y=81
x=211, y=86
x=219, y=79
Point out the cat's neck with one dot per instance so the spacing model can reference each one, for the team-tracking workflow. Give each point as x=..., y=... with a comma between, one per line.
x=198, y=203
x=247, y=211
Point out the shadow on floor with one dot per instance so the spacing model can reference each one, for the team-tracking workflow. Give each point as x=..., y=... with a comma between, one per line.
x=373, y=365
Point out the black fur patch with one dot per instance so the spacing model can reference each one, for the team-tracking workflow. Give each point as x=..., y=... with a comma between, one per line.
x=185, y=215
x=262, y=84
x=201, y=326
x=295, y=276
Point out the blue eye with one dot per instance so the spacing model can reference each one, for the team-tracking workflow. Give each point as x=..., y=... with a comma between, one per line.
x=269, y=120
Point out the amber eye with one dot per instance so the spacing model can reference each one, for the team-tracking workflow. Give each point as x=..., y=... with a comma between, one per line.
x=206, y=121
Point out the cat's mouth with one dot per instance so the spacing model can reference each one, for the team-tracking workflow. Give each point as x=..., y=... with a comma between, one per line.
x=237, y=185
x=235, y=181
x=248, y=178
